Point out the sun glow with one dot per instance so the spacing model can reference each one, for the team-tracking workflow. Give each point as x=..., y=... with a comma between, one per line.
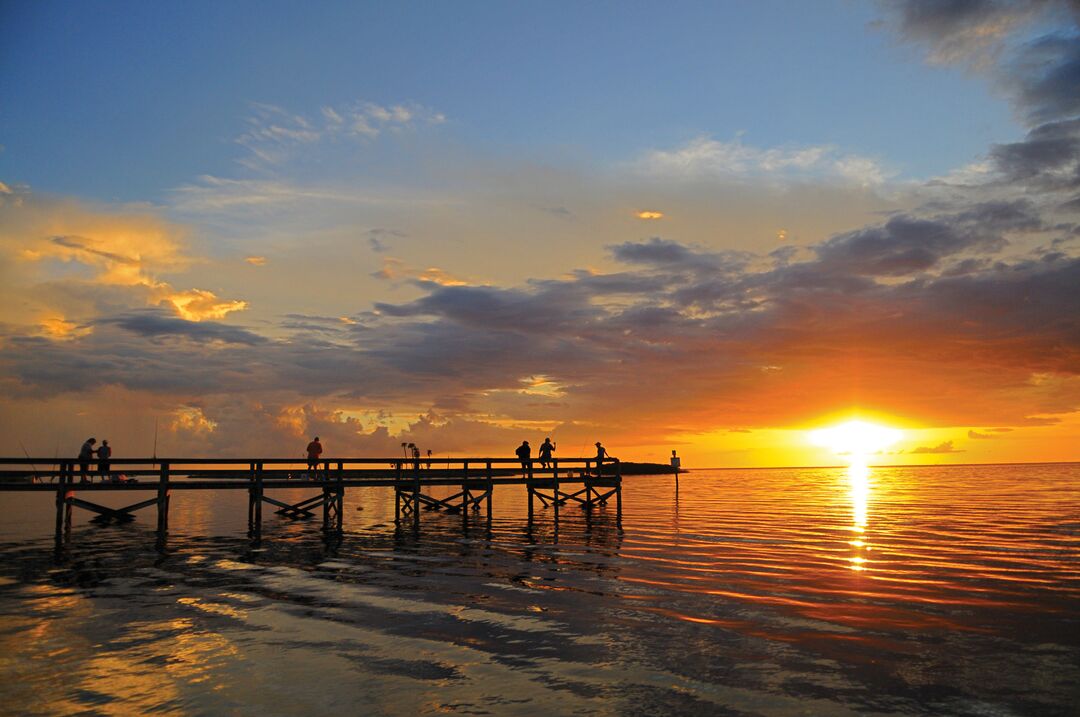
x=856, y=439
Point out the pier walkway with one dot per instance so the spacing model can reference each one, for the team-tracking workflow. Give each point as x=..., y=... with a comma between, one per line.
x=578, y=482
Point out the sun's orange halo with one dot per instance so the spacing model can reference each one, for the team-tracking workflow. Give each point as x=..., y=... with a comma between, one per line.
x=856, y=438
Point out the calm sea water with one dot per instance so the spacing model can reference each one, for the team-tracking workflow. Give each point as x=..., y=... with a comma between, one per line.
x=774, y=592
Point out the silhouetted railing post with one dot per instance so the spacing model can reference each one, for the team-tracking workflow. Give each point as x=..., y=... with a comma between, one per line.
x=618, y=490
x=416, y=494
x=588, y=479
x=491, y=490
x=63, y=507
x=251, y=495
x=397, y=491
x=163, y=495
x=340, y=496
x=257, y=522
x=555, y=486
x=466, y=494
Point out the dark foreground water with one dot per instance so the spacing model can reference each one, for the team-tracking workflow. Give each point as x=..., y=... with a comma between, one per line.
x=781, y=592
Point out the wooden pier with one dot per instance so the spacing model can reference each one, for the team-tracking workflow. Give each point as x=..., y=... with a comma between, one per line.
x=579, y=482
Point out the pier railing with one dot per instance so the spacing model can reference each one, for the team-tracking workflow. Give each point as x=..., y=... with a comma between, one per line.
x=586, y=482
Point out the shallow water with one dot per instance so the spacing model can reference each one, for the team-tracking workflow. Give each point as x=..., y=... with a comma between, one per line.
x=773, y=592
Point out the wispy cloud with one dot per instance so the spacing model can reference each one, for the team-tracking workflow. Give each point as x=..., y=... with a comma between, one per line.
x=705, y=156
x=274, y=132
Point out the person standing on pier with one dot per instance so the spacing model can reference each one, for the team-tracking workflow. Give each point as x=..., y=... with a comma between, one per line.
x=104, y=453
x=601, y=455
x=86, y=454
x=314, y=450
x=545, y=452
x=524, y=454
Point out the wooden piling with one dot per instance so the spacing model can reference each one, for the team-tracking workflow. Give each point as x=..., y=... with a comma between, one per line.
x=163, y=496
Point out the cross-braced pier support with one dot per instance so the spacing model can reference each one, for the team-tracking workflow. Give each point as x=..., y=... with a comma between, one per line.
x=331, y=499
x=470, y=482
x=476, y=488
x=66, y=500
x=596, y=489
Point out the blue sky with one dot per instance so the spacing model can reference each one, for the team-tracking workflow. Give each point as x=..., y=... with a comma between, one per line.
x=124, y=101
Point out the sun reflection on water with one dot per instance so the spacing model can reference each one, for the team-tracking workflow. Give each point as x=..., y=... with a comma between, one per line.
x=858, y=474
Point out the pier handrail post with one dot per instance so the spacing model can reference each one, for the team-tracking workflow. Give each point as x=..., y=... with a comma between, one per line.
x=163, y=498
x=466, y=496
x=588, y=480
x=251, y=494
x=62, y=509
x=397, y=491
x=618, y=490
x=555, y=486
x=258, y=496
x=491, y=490
x=416, y=494
x=340, y=496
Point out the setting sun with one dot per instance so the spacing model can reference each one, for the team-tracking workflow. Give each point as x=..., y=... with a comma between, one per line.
x=856, y=438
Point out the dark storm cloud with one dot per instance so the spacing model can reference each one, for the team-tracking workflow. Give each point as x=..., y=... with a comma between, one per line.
x=907, y=244
x=666, y=254
x=83, y=244
x=1048, y=76
x=157, y=324
x=492, y=308
x=1048, y=157
x=1042, y=73
x=765, y=336
x=904, y=245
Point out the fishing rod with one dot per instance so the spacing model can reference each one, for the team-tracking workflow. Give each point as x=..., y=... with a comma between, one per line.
x=37, y=478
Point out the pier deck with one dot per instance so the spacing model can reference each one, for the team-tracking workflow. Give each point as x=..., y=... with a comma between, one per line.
x=582, y=482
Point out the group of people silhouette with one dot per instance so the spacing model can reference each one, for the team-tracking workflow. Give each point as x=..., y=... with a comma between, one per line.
x=86, y=457
x=524, y=454
x=103, y=453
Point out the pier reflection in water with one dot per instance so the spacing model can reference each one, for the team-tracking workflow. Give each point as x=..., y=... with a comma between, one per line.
x=890, y=591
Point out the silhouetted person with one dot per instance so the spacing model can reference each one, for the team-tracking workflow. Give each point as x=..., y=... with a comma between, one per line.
x=86, y=454
x=314, y=450
x=524, y=454
x=104, y=453
x=601, y=454
x=544, y=452
x=416, y=455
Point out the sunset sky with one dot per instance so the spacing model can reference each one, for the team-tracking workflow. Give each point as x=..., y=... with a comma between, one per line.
x=703, y=226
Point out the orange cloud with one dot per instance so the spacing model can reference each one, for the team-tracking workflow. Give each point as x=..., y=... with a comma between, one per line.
x=255, y=260
x=56, y=327
x=649, y=214
x=199, y=305
x=191, y=420
x=120, y=253
x=395, y=269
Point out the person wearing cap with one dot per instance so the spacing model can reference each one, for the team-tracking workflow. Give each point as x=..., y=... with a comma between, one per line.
x=601, y=454
x=545, y=452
